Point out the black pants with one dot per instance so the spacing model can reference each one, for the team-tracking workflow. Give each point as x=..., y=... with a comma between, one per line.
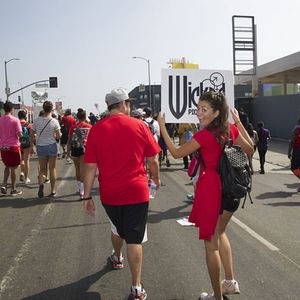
x=262, y=156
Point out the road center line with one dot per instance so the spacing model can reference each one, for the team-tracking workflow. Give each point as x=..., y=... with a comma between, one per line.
x=8, y=277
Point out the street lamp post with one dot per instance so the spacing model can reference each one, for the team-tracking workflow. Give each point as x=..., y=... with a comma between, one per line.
x=6, y=80
x=148, y=63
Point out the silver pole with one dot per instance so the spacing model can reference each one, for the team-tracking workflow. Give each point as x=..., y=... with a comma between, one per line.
x=6, y=80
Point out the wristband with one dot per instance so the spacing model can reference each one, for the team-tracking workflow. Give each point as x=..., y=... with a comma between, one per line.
x=88, y=198
x=237, y=122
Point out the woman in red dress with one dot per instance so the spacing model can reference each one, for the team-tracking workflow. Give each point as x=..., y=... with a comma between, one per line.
x=213, y=116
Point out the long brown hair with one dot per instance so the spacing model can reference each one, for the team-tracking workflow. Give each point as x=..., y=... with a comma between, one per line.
x=218, y=102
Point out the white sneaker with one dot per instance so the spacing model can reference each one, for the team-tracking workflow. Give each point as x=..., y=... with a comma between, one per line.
x=68, y=161
x=27, y=180
x=206, y=296
x=230, y=287
x=22, y=177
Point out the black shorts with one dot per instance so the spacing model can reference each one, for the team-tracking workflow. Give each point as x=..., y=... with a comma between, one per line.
x=129, y=221
x=76, y=152
x=230, y=204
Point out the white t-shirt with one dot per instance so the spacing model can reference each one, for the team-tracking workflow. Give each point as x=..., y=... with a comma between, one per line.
x=155, y=126
x=47, y=137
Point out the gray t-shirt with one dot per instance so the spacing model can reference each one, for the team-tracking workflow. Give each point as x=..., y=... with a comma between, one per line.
x=48, y=135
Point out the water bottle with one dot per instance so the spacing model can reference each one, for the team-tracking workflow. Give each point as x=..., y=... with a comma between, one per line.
x=152, y=189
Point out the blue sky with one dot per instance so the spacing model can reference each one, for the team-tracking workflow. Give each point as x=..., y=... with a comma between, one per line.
x=89, y=44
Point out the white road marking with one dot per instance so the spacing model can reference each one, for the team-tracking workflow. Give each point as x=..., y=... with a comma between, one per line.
x=12, y=271
x=254, y=234
x=262, y=240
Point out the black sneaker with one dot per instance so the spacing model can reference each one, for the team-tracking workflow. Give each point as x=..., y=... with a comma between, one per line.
x=15, y=193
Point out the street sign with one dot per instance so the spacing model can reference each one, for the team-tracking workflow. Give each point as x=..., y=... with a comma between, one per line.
x=41, y=85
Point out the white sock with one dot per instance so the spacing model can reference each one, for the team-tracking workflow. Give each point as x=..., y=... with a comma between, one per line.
x=136, y=288
x=81, y=187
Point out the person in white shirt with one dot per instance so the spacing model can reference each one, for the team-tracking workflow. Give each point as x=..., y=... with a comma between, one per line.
x=153, y=124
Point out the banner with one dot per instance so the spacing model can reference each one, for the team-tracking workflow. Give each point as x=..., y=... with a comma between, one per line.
x=181, y=89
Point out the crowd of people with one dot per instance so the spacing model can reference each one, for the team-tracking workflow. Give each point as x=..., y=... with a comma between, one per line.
x=125, y=169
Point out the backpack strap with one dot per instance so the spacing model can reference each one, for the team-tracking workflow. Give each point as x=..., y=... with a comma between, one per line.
x=44, y=128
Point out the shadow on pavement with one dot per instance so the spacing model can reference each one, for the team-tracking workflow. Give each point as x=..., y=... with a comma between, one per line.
x=77, y=225
x=292, y=185
x=77, y=290
x=23, y=203
x=172, y=213
x=278, y=195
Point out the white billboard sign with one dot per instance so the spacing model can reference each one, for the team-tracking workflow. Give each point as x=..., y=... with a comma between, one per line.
x=181, y=89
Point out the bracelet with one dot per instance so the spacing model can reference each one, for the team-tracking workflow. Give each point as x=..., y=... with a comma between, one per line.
x=237, y=122
x=88, y=198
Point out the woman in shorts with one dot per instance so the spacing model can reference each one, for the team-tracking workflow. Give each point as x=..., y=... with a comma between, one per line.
x=76, y=146
x=47, y=131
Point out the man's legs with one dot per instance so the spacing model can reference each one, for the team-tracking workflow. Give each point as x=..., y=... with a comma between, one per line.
x=117, y=243
x=13, y=177
x=6, y=175
x=135, y=255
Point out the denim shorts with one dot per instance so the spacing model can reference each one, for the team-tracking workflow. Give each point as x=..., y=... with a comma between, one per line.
x=48, y=150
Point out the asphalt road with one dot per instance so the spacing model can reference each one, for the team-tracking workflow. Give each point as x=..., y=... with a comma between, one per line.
x=52, y=250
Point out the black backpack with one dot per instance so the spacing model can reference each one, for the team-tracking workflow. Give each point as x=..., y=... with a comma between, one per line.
x=234, y=173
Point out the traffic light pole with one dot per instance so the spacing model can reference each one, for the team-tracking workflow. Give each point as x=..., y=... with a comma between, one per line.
x=26, y=86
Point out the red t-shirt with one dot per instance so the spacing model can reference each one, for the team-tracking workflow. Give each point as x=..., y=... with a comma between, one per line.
x=68, y=122
x=24, y=122
x=84, y=129
x=119, y=144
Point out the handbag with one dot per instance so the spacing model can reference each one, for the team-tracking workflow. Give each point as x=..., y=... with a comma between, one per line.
x=194, y=165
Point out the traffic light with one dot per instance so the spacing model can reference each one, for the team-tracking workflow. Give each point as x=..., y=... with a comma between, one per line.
x=53, y=82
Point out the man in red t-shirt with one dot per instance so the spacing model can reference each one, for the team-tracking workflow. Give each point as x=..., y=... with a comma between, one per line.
x=117, y=146
x=67, y=122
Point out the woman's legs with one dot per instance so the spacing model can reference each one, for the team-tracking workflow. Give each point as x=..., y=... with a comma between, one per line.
x=26, y=156
x=224, y=245
x=76, y=161
x=43, y=164
x=52, y=172
x=213, y=262
x=81, y=185
x=43, y=169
